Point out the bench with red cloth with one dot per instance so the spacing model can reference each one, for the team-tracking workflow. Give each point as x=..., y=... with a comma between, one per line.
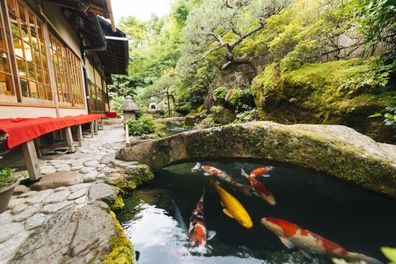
x=25, y=130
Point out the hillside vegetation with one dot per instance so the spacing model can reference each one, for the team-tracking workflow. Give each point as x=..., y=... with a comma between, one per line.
x=301, y=61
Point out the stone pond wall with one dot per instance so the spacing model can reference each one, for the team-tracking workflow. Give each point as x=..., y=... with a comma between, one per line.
x=337, y=150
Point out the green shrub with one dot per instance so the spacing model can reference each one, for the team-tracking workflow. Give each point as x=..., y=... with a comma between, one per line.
x=247, y=116
x=142, y=126
x=220, y=93
x=6, y=178
x=116, y=102
x=241, y=100
x=216, y=109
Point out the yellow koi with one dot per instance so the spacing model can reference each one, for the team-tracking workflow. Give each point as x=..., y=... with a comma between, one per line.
x=232, y=207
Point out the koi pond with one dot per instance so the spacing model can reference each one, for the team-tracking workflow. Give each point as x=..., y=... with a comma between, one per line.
x=156, y=217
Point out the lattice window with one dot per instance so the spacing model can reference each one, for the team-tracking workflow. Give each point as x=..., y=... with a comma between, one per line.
x=30, y=51
x=6, y=83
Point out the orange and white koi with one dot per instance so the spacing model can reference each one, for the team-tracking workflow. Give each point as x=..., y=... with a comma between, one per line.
x=261, y=172
x=259, y=189
x=197, y=233
x=221, y=175
x=292, y=235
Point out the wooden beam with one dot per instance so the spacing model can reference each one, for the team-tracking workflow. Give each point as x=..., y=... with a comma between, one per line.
x=101, y=124
x=31, y=160
x=92, y=128
x=79, y=135
x=69, y=139
x=37, y=146
x=126, y=135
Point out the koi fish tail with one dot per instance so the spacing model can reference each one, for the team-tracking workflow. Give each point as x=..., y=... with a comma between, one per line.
x=203, y=195
x=358, y=257
x=196, y=168
x=243, y=173
x=245, y=189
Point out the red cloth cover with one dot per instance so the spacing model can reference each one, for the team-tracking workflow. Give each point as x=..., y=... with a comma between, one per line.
x=111, y=114
x=21, y=130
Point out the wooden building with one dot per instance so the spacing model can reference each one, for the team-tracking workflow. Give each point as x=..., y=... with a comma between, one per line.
x=57, y=57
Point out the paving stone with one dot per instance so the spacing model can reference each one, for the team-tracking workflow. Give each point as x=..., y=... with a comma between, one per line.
x=18, y=208
x=38, y=197
x=92, y=163
x=5, y=217
x=7, y=231
x=77, y=187
x=77, y=167
x=35, y=221
x=103, y=192
x=30, y=211
x=82, y=200
x=62, y=188
x=20, y=189
x=47, y=170
x=86, y=170
x=53, y=208
x=14, y=201
x=78, y=194
x=57, y=197
x=63, y=168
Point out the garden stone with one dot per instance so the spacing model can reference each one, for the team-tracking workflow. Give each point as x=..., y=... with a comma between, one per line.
x=63, y=168
x=35, y=221
x=19, y=189
x=18, y=208
x=57, y=197
x=103, y=192
x=86, y=170
x=77, y=194
x=53, y=208
x=9, y=230
x=92, y=163
x=77, y=187
x=90, y=177
x=31, y=210
x=10, y=246
x=47, y=170
x=15, y=201
x=38, y=197
x=5, y=217
x=77, y=167
x=81, y=200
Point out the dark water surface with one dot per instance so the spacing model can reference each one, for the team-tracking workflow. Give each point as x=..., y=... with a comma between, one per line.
x=356, y=219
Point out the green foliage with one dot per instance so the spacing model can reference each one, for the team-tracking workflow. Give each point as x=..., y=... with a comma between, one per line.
x=241, y=100
x=115, y=103
x=6, y=178
x=144, y=125
x=247, y=116
x=216, y=109
x=390, y=253
x=220, y=93
x=389, y=116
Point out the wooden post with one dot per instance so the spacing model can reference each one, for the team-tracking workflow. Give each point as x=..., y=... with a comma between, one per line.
x=96, y=127
x=37, y=146
x=69, y=139
x=31, y=160
x=92, y=128
x=101, y=124
x=79, y=135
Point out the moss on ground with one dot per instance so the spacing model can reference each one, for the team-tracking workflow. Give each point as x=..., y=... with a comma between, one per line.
x=118, y=204
x=121, y=249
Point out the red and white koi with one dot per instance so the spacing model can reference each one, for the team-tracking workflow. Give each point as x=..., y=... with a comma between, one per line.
x=259, y=189
x=197, y=233
x=221, y=175
x=292, y=235
x=261, y=172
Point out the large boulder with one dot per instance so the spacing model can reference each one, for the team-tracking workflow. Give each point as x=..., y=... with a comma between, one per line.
x=70, y=237
x=337, y=150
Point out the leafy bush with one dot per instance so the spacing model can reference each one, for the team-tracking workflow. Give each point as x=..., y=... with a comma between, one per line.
x=389, y=117
x=241, y=100
x=116, y=102
x=216, y=109
x=246, y=116
x=390, y=253
x=220, y=93
x=6, y=178
x=144, y=125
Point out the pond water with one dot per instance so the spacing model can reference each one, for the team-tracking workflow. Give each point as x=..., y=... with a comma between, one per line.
x=356, y=219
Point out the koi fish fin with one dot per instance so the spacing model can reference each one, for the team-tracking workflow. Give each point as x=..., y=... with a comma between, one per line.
x=227, y=213
x=211, y=234
x=206, y=174
x=286, y=242
x=265, y=175
x=306, y=254
x=360, y=257
x=243, y=173
x=222, y=204
x=246, y=190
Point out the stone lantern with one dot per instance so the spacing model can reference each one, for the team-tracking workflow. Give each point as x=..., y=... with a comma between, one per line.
x=129, y=108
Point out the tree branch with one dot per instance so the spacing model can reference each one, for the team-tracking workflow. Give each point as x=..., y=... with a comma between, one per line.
x=208, y=53
x=251, y=32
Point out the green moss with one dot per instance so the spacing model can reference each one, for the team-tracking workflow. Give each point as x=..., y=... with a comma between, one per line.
x=332, y=92
x=118, y=204
x=121, y=249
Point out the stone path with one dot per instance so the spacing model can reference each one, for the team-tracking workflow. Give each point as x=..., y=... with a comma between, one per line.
x=70, y=181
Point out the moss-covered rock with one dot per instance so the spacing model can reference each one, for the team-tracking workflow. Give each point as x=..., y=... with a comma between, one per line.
x=121, y=249
x=337, y=150
x=338, y=92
